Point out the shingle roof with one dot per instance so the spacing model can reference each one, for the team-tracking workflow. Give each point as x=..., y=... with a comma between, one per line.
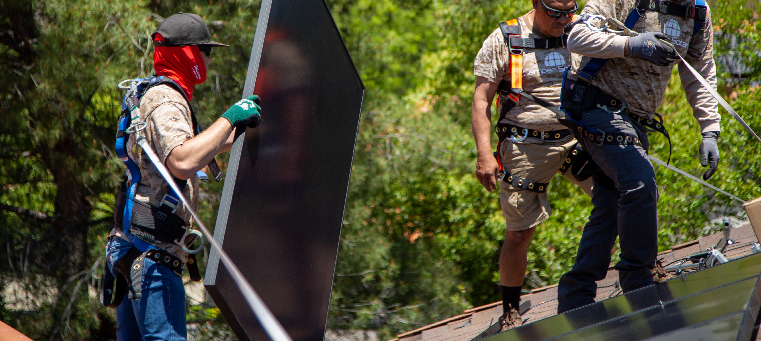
x=542, y=303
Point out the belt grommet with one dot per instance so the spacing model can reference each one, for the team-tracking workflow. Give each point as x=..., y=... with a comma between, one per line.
x=574, y=152
x=599, y=138
x=620, y=138
x=649, y=121
x=515, y=130
x=524, y=131
x=520, y=182
x=191, y=261
x=545, y=135
x=510, y=178
x=535, y=133
x=167, y=259
x=530, y=186
x=137, y=266
x=613, y=102
x=610, y=138
x=567, y=160
x=557, y=135
x=176, y=263
x=562, y=167
x=541, y=188
x=579, y=128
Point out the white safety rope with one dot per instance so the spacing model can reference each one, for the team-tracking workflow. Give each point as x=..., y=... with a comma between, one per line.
x=268, y=321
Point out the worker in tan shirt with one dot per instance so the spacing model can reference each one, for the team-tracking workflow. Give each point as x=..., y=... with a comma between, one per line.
x=533, y=145
x=611, y=104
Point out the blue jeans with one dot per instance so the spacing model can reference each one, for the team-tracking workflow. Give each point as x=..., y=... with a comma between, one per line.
x=625, y=198
x=160, y=313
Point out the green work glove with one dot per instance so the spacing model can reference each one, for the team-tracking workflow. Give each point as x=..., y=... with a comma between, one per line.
x=245, y=113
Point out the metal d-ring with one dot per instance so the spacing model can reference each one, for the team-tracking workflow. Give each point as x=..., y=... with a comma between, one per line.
x=188, y=232
x=525, y=135
x=618, y=111
x=126, y=87
x=135, y=127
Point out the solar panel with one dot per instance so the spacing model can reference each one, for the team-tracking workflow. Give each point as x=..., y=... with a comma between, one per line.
x=719, y=303
x=285, y=189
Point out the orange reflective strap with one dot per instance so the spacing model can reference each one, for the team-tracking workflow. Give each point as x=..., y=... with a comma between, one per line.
x=516, y=71
x=516, y=64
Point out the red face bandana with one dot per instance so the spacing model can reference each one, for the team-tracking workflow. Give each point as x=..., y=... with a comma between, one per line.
x=183, y=64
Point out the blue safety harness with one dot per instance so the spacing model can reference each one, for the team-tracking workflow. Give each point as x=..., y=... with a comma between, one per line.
x=135, y=90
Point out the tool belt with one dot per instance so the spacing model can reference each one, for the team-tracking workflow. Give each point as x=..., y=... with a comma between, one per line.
x=152, y=225
x=129, y=274
x=506, y=130
x=581, y=96
x=577, y=159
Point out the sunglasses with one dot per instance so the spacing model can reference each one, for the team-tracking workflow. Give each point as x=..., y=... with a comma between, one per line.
x=556, y=13
x=205, y=49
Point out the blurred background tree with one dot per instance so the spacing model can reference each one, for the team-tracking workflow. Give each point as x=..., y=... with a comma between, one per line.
x=421, y=236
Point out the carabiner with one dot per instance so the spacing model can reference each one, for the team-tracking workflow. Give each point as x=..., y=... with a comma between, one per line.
x=623, y=30
x=188, y=232
x=587, y=19
x=525, y=135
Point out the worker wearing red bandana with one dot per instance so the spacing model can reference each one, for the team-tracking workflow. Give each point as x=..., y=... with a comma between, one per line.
x=154, y=308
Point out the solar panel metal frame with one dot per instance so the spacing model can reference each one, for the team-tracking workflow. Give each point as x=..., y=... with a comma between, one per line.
x=724, y=296
x=298, y=299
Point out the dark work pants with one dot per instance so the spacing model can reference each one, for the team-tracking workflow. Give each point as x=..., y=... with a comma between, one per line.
x=625, y=198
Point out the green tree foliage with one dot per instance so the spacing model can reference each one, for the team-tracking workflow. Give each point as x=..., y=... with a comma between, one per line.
x=421, y=237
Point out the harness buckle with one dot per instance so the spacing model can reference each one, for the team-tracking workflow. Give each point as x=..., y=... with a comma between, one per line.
x=135, y=127
x=513, y=48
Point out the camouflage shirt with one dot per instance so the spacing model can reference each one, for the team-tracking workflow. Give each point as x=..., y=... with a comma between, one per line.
x=638, y=82
x=542, y=77
x=168, y=124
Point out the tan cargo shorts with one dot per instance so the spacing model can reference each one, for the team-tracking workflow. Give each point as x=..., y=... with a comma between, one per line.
x=538, y=161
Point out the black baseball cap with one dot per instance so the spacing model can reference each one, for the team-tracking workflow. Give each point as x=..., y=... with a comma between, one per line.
x=184, y=29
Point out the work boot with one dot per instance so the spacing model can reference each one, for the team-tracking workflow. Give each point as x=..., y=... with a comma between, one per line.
x=510, y=320
x=659, y=273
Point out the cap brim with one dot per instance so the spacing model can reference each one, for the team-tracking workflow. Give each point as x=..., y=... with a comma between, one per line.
x=214, y=43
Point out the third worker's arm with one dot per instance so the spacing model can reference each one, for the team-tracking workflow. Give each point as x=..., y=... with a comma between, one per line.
x=705, y=107
x=194, y=154
x=486, y=166
x=586, y=42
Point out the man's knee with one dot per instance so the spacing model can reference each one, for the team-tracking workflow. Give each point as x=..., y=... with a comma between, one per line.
x=518, y=239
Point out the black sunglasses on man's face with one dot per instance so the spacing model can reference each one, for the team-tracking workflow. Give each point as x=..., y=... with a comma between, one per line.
x=556, y=13
x=205, y=49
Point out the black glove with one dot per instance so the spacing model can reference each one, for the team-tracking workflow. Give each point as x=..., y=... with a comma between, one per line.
x=652, y=46
x=709, y=153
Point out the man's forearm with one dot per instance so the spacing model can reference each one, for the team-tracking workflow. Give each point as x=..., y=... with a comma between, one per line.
x=193, y=155
x=586, y=42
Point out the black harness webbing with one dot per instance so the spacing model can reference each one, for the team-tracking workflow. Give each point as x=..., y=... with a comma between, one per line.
x=509, y=94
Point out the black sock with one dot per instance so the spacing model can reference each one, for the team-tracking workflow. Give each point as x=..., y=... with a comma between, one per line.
x=511, y=298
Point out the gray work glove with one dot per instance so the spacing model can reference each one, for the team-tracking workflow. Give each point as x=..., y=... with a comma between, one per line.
x=709, y=153
x=245, y=113
x=652, y=46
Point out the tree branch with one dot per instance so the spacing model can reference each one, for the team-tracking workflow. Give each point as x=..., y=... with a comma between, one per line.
x=34, y=215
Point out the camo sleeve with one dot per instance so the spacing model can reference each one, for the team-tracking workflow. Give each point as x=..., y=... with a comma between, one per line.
x=492, y=60
x=584, y=41
x=705, y=108
x=168, y=118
